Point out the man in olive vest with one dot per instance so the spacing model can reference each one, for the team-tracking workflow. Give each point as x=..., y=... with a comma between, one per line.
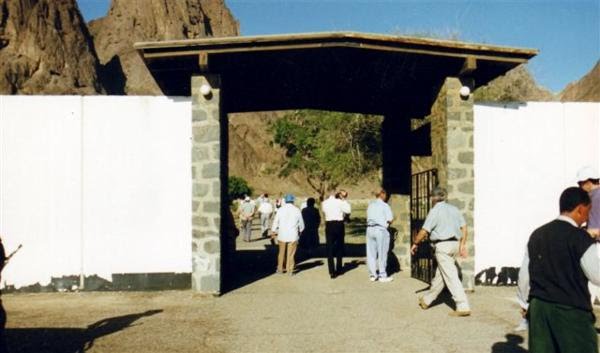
x=560, y=260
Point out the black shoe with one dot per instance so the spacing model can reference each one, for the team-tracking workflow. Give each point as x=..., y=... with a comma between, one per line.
x=332, y=275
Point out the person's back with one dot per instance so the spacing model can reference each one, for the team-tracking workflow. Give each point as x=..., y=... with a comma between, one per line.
x=444, y=221
x=560, y=260
x=555, y=251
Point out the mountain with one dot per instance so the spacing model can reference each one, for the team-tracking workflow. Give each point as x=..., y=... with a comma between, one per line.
x=45, y=48
x=587, y=89
x=130, y=21
x=518, y=85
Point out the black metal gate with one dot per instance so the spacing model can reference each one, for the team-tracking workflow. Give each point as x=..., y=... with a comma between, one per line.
x=422, y=263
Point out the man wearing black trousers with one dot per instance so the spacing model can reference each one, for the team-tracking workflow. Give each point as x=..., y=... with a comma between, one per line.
x=335, y=209
x=560, y=259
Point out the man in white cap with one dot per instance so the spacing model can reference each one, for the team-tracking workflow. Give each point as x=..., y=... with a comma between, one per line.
x=588, y=179
x=287, y=225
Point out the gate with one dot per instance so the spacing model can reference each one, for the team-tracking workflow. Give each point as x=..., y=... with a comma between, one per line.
x=422, y=263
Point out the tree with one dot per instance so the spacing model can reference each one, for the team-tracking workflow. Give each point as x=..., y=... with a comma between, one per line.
x=237, y=188
x=330, y=148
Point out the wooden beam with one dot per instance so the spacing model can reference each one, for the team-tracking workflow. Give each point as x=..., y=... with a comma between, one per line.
x=177, y=53
x=203, y=61
x=469, y=66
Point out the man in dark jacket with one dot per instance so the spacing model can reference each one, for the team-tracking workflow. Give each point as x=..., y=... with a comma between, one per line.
x=560, y=260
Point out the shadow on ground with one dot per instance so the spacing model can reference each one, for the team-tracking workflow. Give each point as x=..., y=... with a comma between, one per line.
x=254, y=265
x=512, y=345
x=68, y=340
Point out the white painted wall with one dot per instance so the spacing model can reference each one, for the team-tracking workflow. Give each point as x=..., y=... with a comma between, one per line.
x=525, y=156
x=104, y=183
x=99, y=183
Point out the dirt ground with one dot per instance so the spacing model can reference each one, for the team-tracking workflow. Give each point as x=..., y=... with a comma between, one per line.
x=264, y=312
x=307, y=312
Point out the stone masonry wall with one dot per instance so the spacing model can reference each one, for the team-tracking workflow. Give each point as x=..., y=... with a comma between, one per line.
x=400, y=205
x=452, y=154
x=207, y=117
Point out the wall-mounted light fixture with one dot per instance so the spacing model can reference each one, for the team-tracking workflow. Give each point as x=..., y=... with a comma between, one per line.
x=206, y=90
x=464, y=92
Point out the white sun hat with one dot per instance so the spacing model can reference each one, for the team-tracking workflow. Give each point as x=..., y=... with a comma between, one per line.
x=587, y=173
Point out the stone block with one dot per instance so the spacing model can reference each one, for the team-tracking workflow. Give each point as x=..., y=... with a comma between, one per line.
x=217, y=189
x=212, y=247
x=210, y=283
x=454, y=116
x=458, y=203
x=197, y=234
x=216, y=222
x=212, y=207
x=207, y=133
x=216, y=151
x=465, y=157
x=211, y=170
x=457, y=139
x=200, y=221
x=467, y=187
x=456, y=173
x=199, y=114
x=200, y=190
x=200, y=153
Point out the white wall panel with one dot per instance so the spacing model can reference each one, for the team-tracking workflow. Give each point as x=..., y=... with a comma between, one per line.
x=525, y=155
x=114, y=172
x=40, y=186
x=137, y=185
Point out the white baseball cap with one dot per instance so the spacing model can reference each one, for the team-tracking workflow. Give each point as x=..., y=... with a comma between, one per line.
x=586, y=173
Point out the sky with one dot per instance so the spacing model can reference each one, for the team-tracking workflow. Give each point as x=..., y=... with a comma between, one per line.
x=566, y=32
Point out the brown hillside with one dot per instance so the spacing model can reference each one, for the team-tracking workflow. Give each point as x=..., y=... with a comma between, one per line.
x=518, y=85
x=45, y=48
x=587, y=89
x=253, y=157
x=130, y=21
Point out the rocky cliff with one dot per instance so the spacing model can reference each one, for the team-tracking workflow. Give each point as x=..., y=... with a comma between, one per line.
x=45, y=48
x=130, y=21
x=518, y=85
x=587, y=89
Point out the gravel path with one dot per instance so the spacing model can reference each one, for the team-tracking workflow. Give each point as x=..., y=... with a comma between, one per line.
x=307, y=312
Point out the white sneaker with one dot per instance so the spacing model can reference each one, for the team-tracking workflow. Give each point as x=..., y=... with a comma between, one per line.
x=372, y=278
x=386, y=279
x=523, y=326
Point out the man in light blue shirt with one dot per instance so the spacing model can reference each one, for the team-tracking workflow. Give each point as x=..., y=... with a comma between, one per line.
x=379, y=217
x=447, y=231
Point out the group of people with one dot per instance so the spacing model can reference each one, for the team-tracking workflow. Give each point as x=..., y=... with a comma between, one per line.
x=558, y=280
x=291, y=225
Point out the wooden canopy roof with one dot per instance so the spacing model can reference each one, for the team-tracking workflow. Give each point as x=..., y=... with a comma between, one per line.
x=343, y=71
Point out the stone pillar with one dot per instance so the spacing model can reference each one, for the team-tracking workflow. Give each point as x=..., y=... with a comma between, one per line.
x=209, y=128
x=400, y=205
x=452, y=155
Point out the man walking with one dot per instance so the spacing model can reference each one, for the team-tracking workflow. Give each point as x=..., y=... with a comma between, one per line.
x=335, y=209
x=287, y=225
x=246, y=215
x=560, y=259
x=447, y=231
x=265, y=209
x=379, y=218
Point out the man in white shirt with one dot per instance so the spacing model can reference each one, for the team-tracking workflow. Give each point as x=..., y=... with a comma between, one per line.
x=287, y=225
x=265, y=209
x=335, y=210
